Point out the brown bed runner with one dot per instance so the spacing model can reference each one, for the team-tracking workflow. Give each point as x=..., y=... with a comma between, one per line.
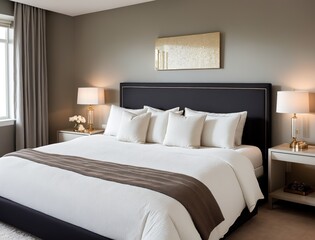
x=190, y=192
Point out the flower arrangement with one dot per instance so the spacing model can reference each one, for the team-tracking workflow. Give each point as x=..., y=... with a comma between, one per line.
x=77, y=119
x=78, y=123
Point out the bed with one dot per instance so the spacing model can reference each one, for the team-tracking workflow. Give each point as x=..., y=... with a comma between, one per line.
x=204, y=97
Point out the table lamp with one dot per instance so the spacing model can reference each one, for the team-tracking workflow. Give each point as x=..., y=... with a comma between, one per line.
x=90, y=96
x=293, y=102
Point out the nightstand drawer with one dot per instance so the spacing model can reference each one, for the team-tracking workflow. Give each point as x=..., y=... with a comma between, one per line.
x=292, y=157
x=68, y=134
x=63, y=137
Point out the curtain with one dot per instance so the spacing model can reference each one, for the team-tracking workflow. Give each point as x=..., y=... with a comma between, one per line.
x=30, y=77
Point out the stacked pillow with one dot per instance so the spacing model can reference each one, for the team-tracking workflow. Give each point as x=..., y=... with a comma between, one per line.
x=115, y=116
x=184, y=131
x=158, y=123
x=220, y=129
x=133, y=127
x=170, y=128
x=138, y=125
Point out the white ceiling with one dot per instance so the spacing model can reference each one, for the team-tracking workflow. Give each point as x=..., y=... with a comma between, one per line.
x=79, y=7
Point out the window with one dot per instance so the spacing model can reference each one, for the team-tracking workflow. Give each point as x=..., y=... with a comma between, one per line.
x=6, y=67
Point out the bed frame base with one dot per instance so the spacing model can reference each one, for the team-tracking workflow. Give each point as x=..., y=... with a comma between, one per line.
x=244, y=217
x=47, y=227
x=40, y=224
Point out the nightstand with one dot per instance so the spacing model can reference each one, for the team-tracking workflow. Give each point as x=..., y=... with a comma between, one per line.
x=68, y=134
x=278, y=157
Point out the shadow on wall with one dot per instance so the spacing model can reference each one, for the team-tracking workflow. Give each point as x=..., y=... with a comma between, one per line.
x=110, y=95
x=312, y=102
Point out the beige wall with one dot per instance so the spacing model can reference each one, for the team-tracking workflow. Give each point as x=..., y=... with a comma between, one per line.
x=61, y=84
x=6, y=7
x=7, y=139
x=262, y=41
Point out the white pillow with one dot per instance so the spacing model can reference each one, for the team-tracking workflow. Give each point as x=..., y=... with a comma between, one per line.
x=240, y=125
x=158, y=123
x=114, y=118
x=133, y=128
x=218, y=131
x=159, y=110
x=184, y=131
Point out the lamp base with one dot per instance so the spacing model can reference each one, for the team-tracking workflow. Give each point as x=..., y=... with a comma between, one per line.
x=90, y=119
x=90, y=128
x=298, y=145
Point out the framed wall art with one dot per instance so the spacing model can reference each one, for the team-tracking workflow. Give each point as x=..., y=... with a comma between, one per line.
x=198, y=51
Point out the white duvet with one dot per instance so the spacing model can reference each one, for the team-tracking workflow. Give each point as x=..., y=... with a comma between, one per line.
x=120, y=211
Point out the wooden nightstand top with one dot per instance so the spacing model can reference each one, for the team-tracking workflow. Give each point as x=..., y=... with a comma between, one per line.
x=68, y=134
x=284, y=148
x=70, y=131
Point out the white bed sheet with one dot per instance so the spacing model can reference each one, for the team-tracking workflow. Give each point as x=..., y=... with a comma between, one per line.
x=254, y=154
x=121, y=211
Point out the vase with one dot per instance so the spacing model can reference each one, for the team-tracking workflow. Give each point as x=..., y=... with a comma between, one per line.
x=75, y=127
x=78, y=127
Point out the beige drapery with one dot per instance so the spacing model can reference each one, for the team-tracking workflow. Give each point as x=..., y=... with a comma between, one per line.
x=30, y=77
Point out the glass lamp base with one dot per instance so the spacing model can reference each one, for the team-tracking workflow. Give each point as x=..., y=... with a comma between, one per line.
x=90, y=118
x=90, y=128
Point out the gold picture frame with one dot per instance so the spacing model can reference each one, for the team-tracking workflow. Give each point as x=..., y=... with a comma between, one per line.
x=198, y=51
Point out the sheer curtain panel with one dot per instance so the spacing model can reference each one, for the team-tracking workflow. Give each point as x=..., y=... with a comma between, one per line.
x=30, y=77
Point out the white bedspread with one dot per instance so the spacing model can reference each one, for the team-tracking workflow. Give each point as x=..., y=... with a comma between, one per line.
x=121, y=211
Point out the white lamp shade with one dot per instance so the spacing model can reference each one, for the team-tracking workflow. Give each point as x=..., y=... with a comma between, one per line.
x=293, y=102
x=90, y=96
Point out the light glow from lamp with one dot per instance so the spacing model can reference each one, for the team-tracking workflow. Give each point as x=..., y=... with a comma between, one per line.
x=293, y=102
x=90, y=96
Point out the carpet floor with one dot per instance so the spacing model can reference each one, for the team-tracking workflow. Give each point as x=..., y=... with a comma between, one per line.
x=286, y=221
x=10, y=233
